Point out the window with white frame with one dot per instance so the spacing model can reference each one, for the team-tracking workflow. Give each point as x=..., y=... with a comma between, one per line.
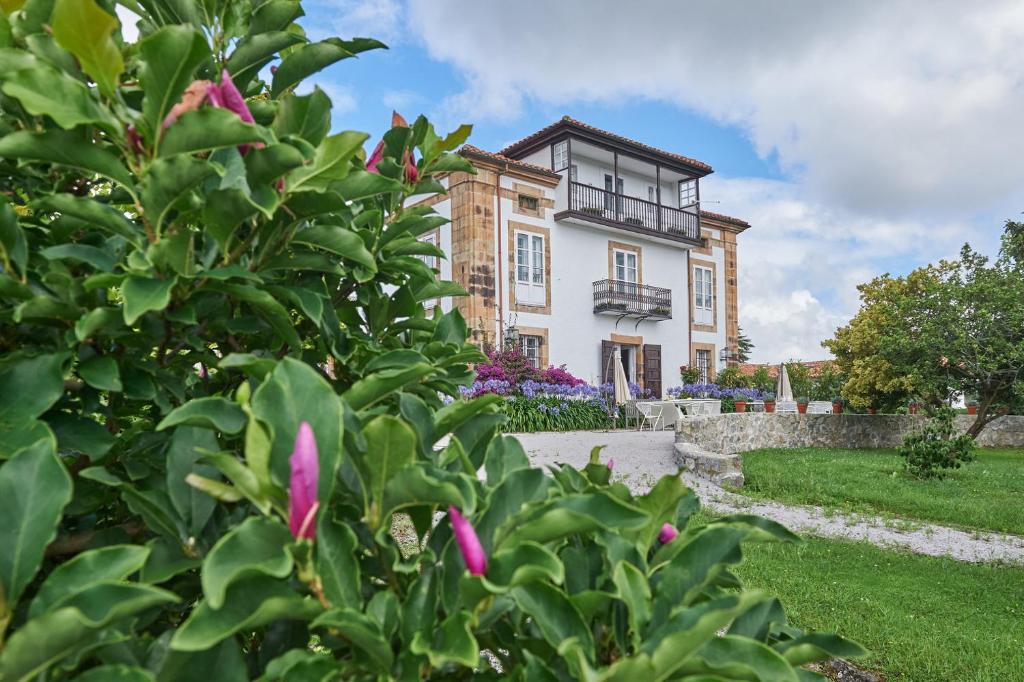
x=530, y=268
x=560, y=155
x=626, y=269
x=687, y=192
x=703, y=296
x=529, y=346
x=573, y=172
x=703, y=357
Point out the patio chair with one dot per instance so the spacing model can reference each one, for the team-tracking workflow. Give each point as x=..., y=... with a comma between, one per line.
x=819, y=407
x=630, y=413
x=785, y=406
x=651, y=414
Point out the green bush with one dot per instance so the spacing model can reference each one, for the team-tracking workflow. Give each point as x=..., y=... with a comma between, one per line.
x=934, y=449
x=730, y=377
x=553, y=413
x=218, y=389
x=762, y=380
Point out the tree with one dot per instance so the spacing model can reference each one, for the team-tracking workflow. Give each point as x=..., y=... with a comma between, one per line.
x=954, y=327
x=744, y=346
x=221, y=398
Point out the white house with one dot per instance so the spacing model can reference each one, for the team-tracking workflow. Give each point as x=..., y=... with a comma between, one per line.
x=575, y=240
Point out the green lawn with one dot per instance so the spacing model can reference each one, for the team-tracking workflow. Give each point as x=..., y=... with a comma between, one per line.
x=923, y=619
x=984, y=494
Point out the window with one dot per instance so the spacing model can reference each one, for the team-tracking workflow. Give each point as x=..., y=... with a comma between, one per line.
x=530, y=269
x=528, y=203
x=626, y=266
x=703, y=296
x=560, y=155
x=573, y=172
x=687, y=192
x=430, y=260
x=703, y=365
x=529, y=346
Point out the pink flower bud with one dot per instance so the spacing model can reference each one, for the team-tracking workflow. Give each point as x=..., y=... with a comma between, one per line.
x=302, y=490
x=232, y=99
x=668, y=534
x=611, y=463
x=469, y=543
x=397, y=121
x=375, y=157
x=193, y=97
x=411, y=174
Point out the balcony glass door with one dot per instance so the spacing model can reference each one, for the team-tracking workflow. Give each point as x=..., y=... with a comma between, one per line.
x=625, y=272
x=703, y=296
x=609, y=198
x=530, y=287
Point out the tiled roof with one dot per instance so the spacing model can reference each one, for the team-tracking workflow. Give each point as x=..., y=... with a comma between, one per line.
x=580, y=124
x=815, y=367
x=725, y=218
x=468, y=149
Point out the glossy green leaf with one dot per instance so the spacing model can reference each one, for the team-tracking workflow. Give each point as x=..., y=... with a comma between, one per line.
x=101, y=372
x=360, y=184
x=524, y=563
x=12, y=238
x=222, y=662
x=390, y=447
x=143, y=295
x=255, y=547
x=361, y=631
x=205, y=129
x=186, y=448
x=94, y=213
x=339, y=241
x=169, y=58
x=575, y=514
x=116, y=673
x=636, y=593
x=256, y=50
x=76, y=433
x=94, y=256
x=66, y=148
x=219, y=414
x=818, y=646
x=452, y=416
x=34, y=489
x=421, y=484
x=294, y=393
x=268, y=308
x=46, y=91
x=17, y=435
x=337, y=560
x=504, y=455
x=553, y=613
x=331, y=162
x=741, y=658
x=452, y=642
x=313, y=57
x=30, y=385
x=84, y=29
x=374, y=387
x=249, y=603
x=306, y=116
x=112, y=563
x=169, y=180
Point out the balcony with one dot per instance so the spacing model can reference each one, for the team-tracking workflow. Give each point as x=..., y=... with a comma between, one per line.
x=593, y=204
x=626, y=299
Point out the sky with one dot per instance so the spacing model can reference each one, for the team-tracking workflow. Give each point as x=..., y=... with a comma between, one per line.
x=857, y=138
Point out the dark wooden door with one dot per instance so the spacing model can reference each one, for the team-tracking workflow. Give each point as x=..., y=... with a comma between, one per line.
x=652, y=368
x=605, y=372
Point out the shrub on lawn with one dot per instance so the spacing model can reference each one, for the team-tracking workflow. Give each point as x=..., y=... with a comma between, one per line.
x=935, y=449
x=218, y=386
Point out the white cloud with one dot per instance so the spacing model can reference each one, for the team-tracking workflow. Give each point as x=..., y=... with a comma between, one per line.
x=128, y=19
x=343, y=98
x=380, y=19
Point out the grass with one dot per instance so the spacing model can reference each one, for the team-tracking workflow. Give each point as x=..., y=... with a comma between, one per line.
x=984, y=494
x=923, y=619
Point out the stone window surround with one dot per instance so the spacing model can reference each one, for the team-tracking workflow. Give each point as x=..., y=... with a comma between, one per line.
x=694, y=347
x=542, y=332
x=638, y=354
x=520, y=189
x=711, y=265
x=614, y=246
x=513, y=304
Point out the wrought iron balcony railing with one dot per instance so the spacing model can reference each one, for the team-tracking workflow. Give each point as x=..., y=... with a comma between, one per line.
x=633, y=214
x=615, y=297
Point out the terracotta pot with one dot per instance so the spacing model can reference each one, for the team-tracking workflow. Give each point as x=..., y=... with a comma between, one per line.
x=741, y=405
x=801, y=408
x=769, y=406
x=872, y=410
x=913, y=408
x=837, y=408
x=972, y=409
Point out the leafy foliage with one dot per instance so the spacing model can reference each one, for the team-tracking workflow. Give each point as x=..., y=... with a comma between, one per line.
x=935, y=448
x=193, y=269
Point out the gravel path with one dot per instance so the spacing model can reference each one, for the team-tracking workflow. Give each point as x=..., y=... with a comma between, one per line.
x=641, y=458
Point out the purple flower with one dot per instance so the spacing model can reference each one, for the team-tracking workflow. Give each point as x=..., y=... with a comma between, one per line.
x=302, y=498
x=469, y=543
x=230, y=98
x=667, y=534
x=611, y=463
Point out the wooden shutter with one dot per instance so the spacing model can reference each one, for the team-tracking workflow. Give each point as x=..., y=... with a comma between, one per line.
x=605, y=371
x=652, y=368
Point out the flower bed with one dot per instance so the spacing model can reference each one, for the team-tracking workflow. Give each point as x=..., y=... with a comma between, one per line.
x=728, y=396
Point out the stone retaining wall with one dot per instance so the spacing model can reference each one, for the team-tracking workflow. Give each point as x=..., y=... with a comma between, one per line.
x=732, y=433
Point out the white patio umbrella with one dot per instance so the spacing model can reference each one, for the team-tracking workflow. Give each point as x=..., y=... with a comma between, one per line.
x=783, y=391
x=619, y=379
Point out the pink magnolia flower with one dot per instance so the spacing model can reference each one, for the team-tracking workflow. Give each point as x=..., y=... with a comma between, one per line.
x=668, y=534
x=232, y=99
x=193, y=98
x=611, y=463
x=469, y=543
x=302, y=489
x=408, y=160
x=397, y=120
x=376, y=157
x=411, y=174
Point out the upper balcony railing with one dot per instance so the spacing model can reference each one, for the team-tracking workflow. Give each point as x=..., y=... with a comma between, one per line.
x=629, y=299
x=633, y=214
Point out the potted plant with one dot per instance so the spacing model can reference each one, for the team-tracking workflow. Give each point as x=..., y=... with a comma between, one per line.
x=837, y=405
x=769, y=402
x=593, y=210
x=801, y=405
x=872, y=410
x=972, y=406
x=914, y=406
x=741, y=403
x=633, y=220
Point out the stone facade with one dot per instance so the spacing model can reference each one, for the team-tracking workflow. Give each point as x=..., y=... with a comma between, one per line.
x=734, y=433
x=472, y=254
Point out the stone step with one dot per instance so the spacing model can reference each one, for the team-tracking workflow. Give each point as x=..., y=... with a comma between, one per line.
x=723, y=470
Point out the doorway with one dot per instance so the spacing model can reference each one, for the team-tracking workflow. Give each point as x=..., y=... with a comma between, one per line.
x=628, y=355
